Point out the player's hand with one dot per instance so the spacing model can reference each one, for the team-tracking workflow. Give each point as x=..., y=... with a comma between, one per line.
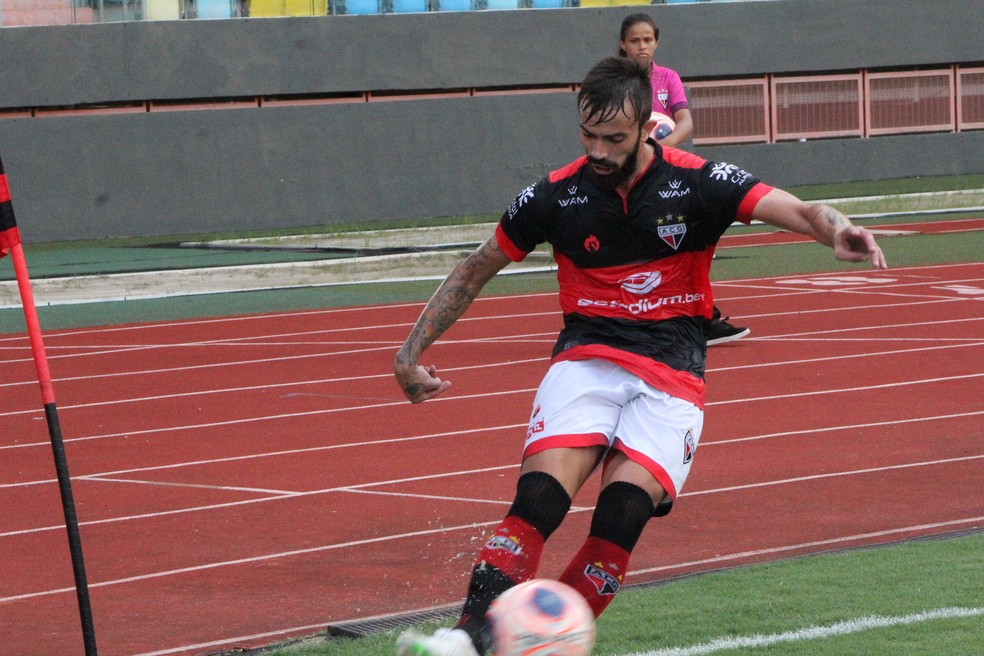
x=855, y=244
x=419, y=383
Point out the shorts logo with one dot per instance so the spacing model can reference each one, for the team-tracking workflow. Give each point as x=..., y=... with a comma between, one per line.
x=605, y=583
x=592, y=244
x=641, y=283
x=688, y=447
x=536, y=427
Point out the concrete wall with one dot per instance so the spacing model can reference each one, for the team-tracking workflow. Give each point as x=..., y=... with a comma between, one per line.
x=91, y=175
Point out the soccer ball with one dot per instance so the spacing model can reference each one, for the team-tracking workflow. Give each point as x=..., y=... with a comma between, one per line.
x=541, y=617
x=664, y=126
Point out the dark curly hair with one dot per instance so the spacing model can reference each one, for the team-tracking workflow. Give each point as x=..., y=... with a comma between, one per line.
x=612, y=82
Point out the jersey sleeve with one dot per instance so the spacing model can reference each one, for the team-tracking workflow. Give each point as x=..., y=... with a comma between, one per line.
x=521, y=227
x=730, y=193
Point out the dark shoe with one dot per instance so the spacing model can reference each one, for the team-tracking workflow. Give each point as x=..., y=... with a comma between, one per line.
x=719, y=331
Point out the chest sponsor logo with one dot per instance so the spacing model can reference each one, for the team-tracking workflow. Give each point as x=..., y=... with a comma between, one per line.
x=643, y=305
x=592, y=244
x=729, y=173
x=676, y=190
x=641, y=283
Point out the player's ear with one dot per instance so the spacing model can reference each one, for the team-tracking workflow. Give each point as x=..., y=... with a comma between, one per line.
x=647, y=129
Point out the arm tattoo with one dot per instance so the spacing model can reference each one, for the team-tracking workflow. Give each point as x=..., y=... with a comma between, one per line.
x=826, y=221
x=449, y=302
x=833, y=218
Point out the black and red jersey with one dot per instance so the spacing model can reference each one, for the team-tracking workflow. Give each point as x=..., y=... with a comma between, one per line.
x=634, y=270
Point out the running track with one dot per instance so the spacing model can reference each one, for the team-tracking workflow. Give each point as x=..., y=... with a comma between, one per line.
x=243, y=480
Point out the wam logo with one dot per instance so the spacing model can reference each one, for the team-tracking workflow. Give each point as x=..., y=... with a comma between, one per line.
x=675, y=190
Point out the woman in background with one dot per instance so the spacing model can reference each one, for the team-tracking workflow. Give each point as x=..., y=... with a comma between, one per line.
x=639, y=39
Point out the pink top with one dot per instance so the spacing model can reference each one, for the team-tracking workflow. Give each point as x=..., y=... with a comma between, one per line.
x=668, y=94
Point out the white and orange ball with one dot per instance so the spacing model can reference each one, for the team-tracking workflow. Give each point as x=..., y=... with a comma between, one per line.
x=664, y=126
x=541, y=617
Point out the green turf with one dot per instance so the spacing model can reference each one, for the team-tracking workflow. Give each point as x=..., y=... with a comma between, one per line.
x=786, y=596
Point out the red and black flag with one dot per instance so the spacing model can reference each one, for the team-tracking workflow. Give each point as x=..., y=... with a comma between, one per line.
x=9, y=236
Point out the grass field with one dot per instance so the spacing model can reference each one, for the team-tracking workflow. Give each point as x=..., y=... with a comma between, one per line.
x=922, y=598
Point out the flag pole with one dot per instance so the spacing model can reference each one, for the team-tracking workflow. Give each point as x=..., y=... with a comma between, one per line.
x=10, y=242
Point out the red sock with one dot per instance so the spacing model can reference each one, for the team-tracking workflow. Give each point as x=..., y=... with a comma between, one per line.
x=596, y=571
x=514, y=549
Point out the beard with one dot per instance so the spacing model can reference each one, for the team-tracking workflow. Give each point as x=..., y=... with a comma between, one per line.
x=619, y=174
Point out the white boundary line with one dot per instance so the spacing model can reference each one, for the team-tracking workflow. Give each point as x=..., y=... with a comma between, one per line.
x=816, y=632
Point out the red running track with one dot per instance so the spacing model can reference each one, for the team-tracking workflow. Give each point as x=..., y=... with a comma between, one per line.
x=244, y=480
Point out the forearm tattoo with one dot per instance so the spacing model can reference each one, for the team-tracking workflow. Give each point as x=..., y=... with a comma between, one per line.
x=449, y=302
x=827, y=221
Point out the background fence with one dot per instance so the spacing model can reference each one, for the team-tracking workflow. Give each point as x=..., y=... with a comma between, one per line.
x=189, y=126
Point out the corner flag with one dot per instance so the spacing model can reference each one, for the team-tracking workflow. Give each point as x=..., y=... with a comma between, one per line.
x=10, y=243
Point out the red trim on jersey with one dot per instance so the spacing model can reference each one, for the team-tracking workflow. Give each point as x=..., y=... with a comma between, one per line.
x=675, y=383
x=625, y=196
x=569, y=170
x=506, y=245
x=682, y=158
x=751, y=199
x=568, y=441
x=650, y=465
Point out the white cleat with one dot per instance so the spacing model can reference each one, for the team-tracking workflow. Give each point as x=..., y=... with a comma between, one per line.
x=444, y=642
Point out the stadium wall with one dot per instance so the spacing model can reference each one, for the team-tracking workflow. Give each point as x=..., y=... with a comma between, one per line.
x=168, y=128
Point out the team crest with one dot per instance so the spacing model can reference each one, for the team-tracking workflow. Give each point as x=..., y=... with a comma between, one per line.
x=605, y=583
x=672, y=234
x=504, y=542
x=688, y=447
x=663, y=96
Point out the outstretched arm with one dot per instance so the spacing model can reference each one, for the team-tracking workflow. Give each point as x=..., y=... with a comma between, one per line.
x=447, y=304
x=822, y=222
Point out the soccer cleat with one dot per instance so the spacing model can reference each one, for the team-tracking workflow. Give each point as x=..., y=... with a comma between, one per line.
x=444, y=642
x=719, y=331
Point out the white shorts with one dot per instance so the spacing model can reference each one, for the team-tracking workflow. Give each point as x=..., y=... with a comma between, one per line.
x=597, y=403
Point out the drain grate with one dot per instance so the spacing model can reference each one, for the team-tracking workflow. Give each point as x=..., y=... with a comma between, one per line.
x=362, y=628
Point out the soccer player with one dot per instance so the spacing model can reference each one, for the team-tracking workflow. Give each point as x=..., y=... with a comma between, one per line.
x=625, y=388
x=638, y=39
